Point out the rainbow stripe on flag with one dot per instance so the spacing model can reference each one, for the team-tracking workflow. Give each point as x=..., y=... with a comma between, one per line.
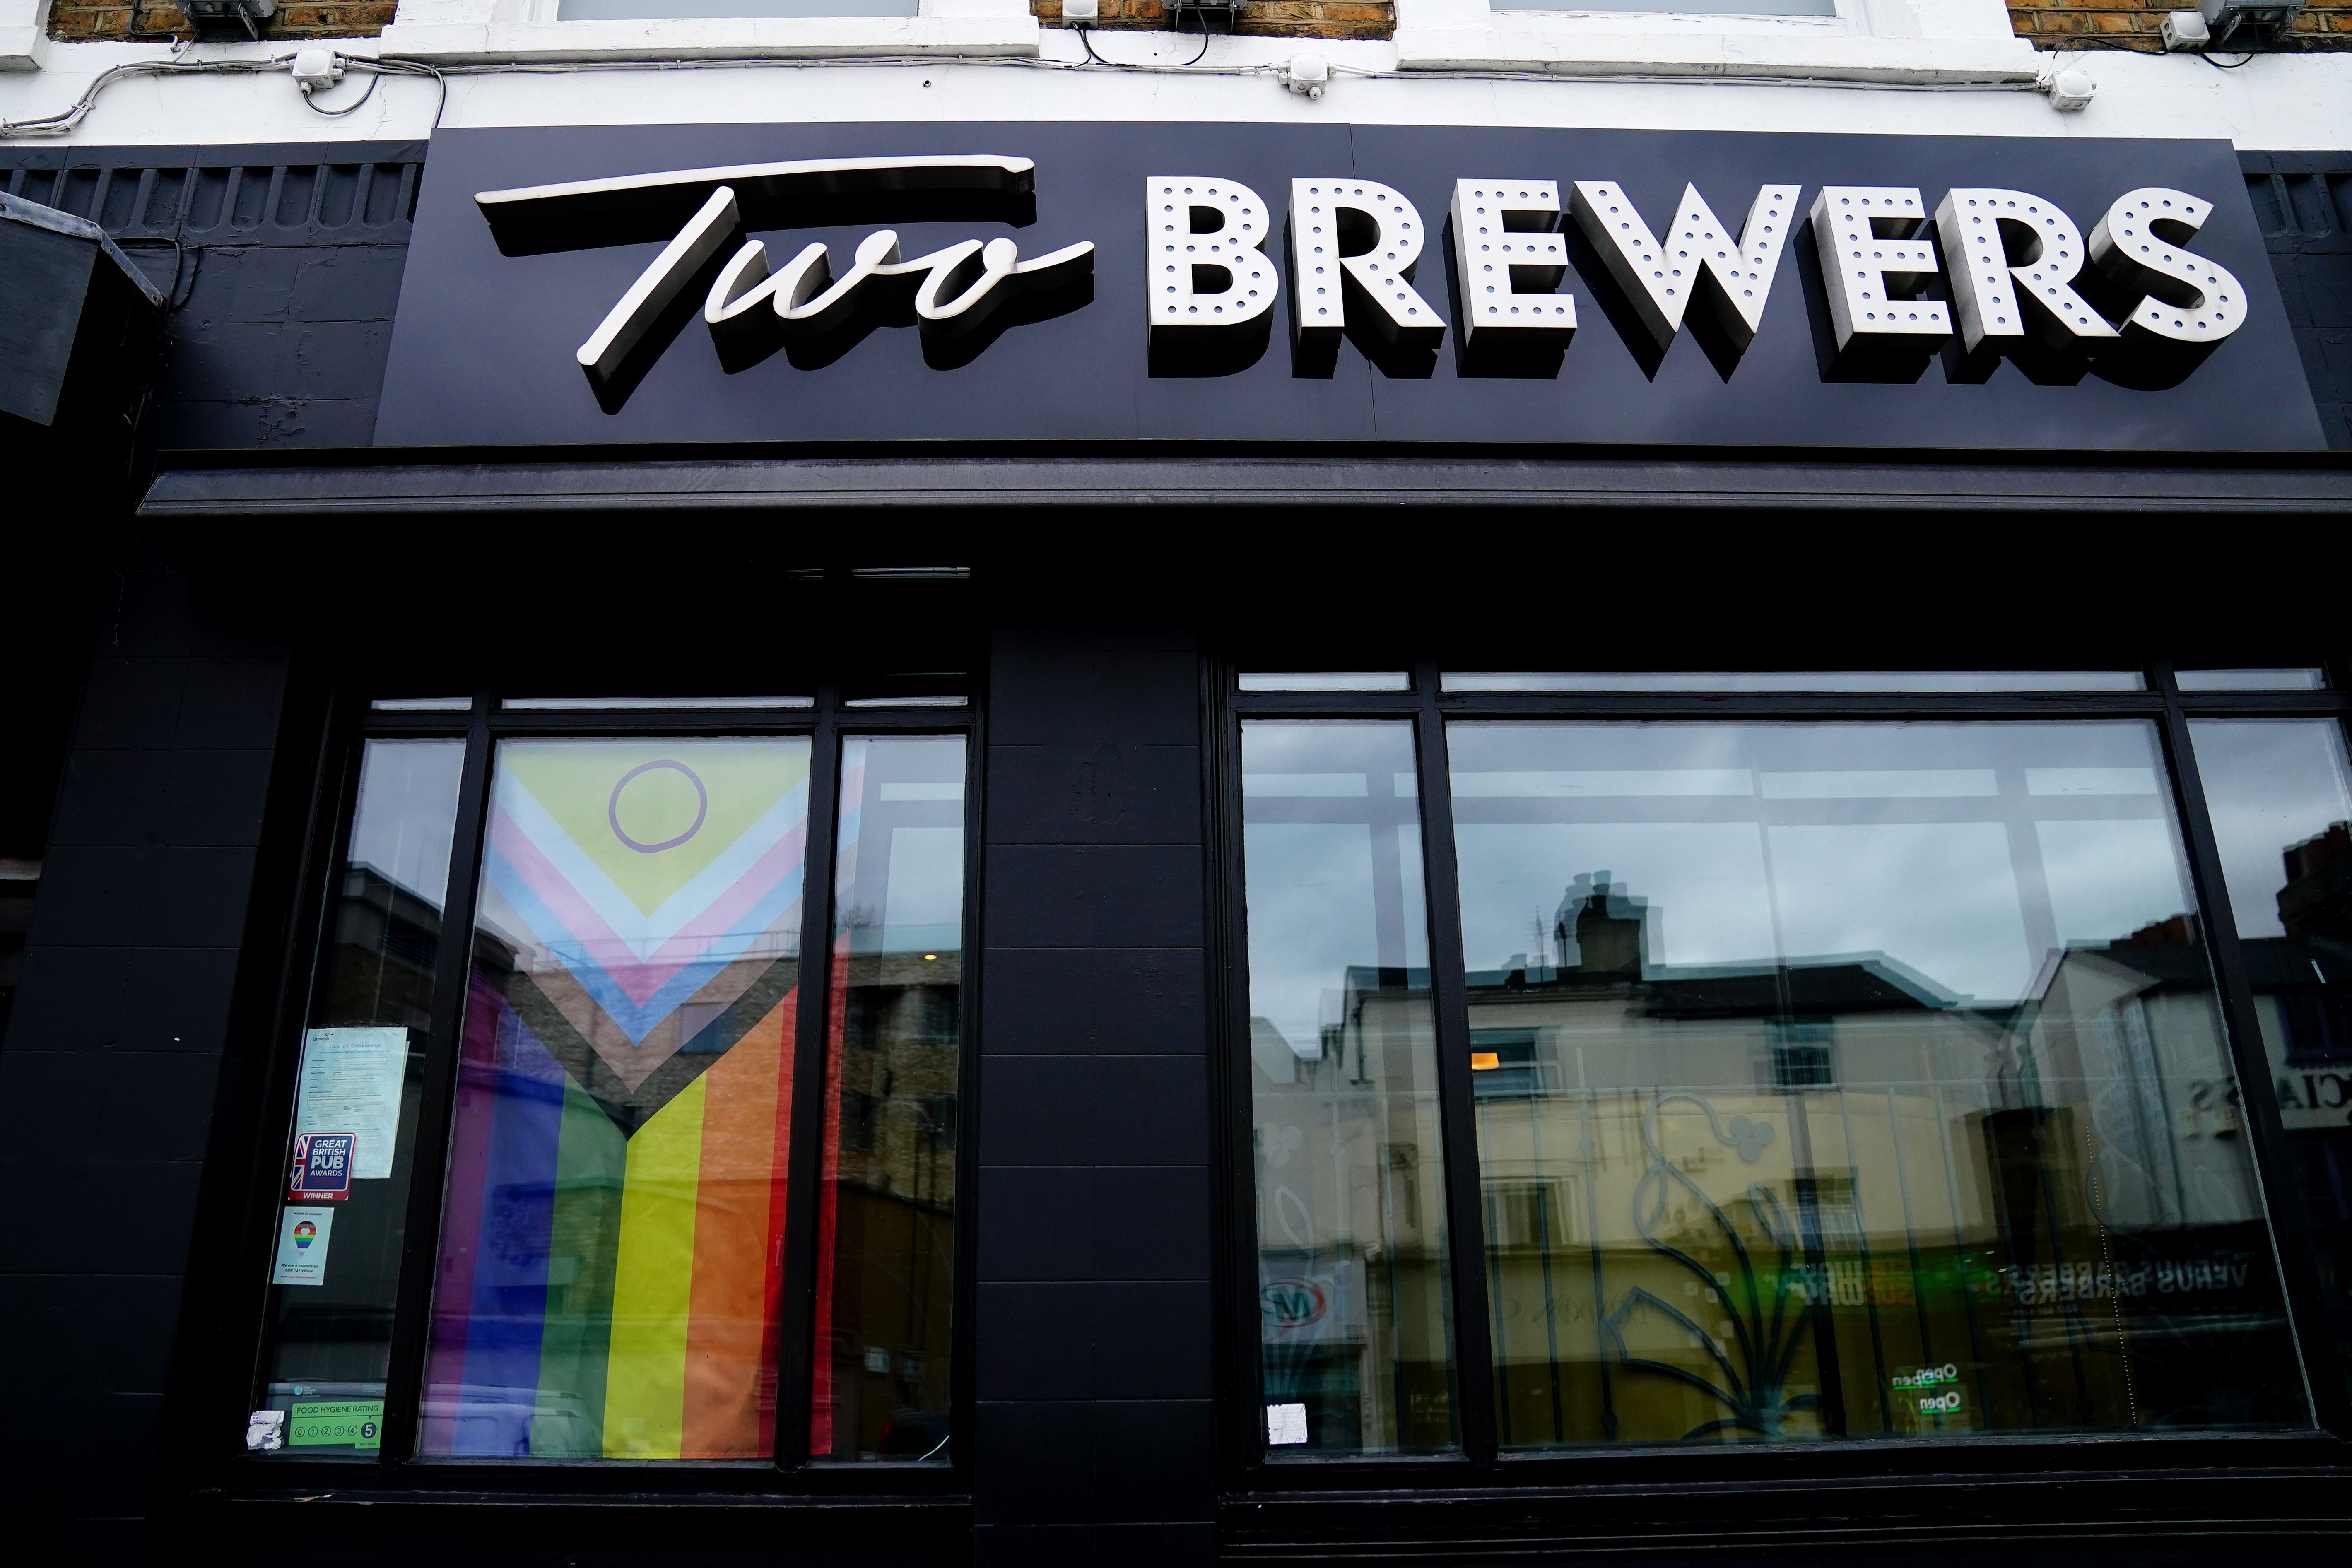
x=608, y=1275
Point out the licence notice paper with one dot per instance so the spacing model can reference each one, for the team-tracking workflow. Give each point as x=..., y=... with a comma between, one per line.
x=351, y=1084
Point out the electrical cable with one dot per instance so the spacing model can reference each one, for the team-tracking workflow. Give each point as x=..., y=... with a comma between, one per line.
x=1087, y=44
x=1205, y=34
x=310, y=100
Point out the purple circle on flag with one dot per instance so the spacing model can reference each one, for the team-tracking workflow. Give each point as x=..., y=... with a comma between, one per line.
x=701, y=809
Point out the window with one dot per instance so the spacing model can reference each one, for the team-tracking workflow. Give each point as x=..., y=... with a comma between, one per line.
x=1805, y=1079
x=666, y=1149
x=2281, y=795
x=653, y=10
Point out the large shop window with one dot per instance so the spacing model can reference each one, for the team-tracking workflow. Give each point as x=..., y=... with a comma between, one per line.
x=1818, y=1079
x=663, y=1127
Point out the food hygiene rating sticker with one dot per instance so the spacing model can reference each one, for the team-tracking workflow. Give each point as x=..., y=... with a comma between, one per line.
x=355, y=1423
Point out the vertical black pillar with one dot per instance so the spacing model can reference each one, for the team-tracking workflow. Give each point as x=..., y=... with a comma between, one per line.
x=1095, y=1434
x=115, y=1053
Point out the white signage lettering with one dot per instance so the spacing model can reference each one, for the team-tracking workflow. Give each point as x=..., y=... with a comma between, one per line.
x=2143, y=245
x=1210, y=273
x=1372, y=282
x=1509, y=256
x=2011, y=260
x=1865, y=236
x=2006, y=247
x=959, y=284
x=658, y=287
x=1701, y=255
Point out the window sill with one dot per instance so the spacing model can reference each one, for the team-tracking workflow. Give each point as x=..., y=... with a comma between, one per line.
x=23, y=35
x=792, y=37
x=1788, y=55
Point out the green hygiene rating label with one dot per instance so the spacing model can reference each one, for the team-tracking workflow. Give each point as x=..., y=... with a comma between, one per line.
x=353, y=1423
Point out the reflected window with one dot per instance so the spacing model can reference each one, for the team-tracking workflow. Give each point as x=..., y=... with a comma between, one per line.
x=342, y=1211
x=1852, y=1081
x=2281, y=796
x=885, y=1204
x=1356, y=1352
x=614, y=1217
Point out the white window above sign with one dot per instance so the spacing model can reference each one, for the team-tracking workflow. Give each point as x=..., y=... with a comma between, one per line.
x=716, y=10
x=691, y=29
x=1924, y=41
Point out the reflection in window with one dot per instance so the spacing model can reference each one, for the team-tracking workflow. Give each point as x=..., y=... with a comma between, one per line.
x=2281, y=796
x=1828, y=680
x=1873, y=1084
x=885, y=1219
x=2251, y=680
x=335, y=1266
x=615, y=1200
x=1357, y=1355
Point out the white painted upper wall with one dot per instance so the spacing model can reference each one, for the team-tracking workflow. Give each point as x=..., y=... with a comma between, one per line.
x=2278, y=103
x=1879, y=40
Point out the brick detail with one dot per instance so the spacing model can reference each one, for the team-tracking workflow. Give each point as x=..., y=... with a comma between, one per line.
x=1260, y=19
x=87, y=21
x=2137, y=25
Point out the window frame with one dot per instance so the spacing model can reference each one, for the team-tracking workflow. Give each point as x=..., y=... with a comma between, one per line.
x=792, y=1472
x=1314, y=1493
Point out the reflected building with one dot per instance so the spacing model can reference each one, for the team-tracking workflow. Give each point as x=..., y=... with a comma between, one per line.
x=1827, y=1196
x=2299, y=984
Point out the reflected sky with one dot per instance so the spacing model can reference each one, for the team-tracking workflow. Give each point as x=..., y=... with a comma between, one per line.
x=407, y=811
x=1331, y=838
x=2270, y=784
x=1963, y=852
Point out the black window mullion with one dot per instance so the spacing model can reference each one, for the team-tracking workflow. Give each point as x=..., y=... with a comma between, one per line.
x=1235, y=1176
x=796, y=1328
x=421, y=1238
x=1473, y=1347
x=2273, y=1167
x=1234, y=1180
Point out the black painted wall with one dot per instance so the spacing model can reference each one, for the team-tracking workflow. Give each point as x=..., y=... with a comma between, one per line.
x=1094, y=1431
x=284, y=264
x=2303, y=203
x=121, y=1042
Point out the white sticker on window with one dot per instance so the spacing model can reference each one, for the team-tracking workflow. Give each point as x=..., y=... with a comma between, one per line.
x=1285, y=1423
x=264, y=1430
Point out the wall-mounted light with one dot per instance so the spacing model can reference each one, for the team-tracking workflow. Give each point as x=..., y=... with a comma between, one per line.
x=231, y=19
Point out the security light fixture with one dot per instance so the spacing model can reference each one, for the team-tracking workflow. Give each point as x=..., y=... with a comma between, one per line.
x=315, y=70
x=2236, y=23
x=1307, y=75
x=231, y=19
x=2185, y=32
x=1204, y=16
x=1076, y=11
x=2069, y=88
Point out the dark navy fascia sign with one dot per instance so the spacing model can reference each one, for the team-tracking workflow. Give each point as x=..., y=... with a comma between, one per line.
x=1989, y=272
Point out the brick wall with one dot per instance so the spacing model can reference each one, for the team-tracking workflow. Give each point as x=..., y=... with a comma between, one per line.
x=72, y=21
x=1262, y=18
x=79, y=21
x=2049, y=24
x=2134, y=23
